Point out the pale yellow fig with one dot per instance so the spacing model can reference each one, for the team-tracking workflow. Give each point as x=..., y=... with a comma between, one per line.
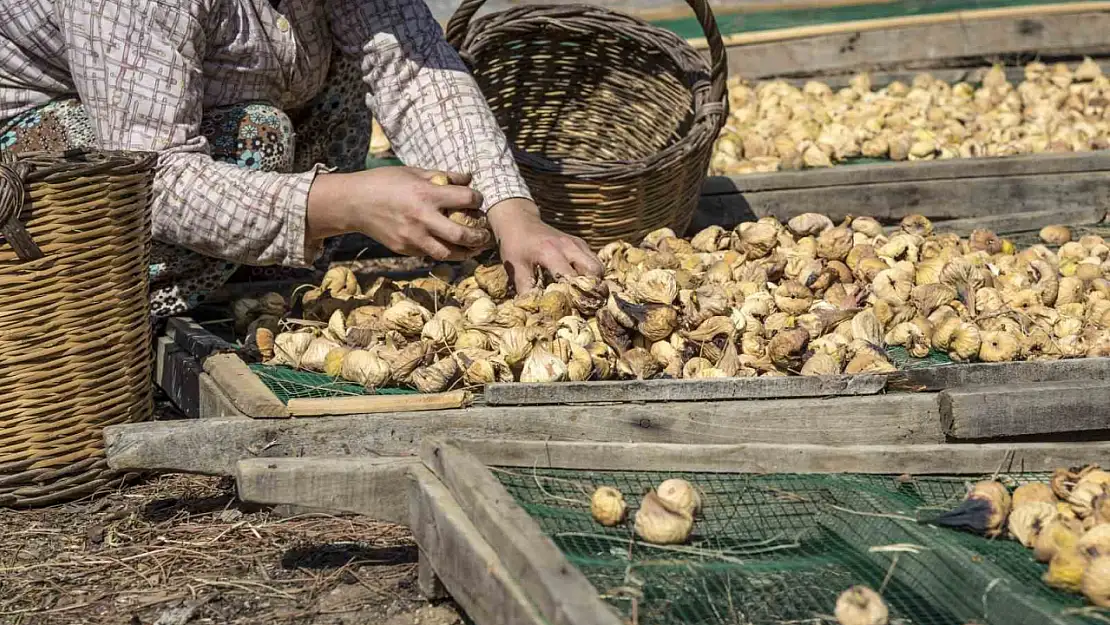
x=866, y=327
x=515, y=345
x=1055, y=234
x=834, y=243
x=809, y=224
x=656, y=285
x=541, y=366
x=1027, y=520
x=659, y=523
x=481, y=311
x=316, y=353
x=821, y=363
x=289, y=347
x=694, y=366
x=793, y=298
x=638, y=363
x=406, y=317
x=859, y=605
x=757, y=239
x=607, y=506
x=680, y=495
x=494, y=280
x=365, y=368
x=710, y=239
x=436, y=377
x=867, y=226
x=965, y=342
x=999, y=346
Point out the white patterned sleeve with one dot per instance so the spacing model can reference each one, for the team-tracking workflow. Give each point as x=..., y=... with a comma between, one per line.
x=136, y=66
x=428, y=104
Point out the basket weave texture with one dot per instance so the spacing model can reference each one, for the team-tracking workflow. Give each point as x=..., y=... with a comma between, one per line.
x=612, y=120
x=75, y=347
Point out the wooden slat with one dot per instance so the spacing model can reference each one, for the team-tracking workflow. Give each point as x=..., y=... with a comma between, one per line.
x=374, y=404
x=922, y=45
x=1026, y=221
x=682, y=390
x=914, y=171
x=938, y=378
x=471, y=570
x=1008, y=410
x=561, y=592
x=936, y=199
x=787, y=458
x=373, y=487
x=214, y=445
x=248, y=393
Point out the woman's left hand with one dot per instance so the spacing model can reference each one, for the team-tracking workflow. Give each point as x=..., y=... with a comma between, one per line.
x=527, y=242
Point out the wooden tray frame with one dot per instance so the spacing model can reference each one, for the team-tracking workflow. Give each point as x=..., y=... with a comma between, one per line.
x=1056, y=188
x=236, y=416
x=490, y=555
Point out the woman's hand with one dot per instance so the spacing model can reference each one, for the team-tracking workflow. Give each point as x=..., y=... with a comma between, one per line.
x=527, y=242
x=400, y=207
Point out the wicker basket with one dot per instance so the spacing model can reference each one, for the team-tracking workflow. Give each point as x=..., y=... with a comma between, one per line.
x=75, y=347
x=612, y=120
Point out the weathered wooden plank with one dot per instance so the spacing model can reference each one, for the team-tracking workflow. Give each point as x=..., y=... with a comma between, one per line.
x=561, y=592
x=248, y=393
x=1024, y=221
x=521, y=394
x=213, y=446
x=372, y=404
x=214, y=403
x=915, y=46
x=373, y=487
x=936, y=199
x=471, y=570
x=938, y=378
x=1006, y=410
x=787, y=458
x=429, y=584
x=914, y=171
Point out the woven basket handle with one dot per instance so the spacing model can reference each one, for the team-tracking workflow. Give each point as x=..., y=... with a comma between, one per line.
x=459, y=23
x=12, y=191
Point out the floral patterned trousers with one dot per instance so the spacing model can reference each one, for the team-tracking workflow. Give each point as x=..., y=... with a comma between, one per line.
x=333, y=129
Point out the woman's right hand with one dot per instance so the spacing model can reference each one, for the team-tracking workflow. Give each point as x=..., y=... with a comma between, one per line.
x=400, y=207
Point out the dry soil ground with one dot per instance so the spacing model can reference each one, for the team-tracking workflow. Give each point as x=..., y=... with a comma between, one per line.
x=183, y=550
x=177, y=550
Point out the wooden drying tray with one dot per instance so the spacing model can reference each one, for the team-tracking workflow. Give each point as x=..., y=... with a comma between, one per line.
x=975, y=402
x=478, y=545
x=931, y=41
x=1007, y=194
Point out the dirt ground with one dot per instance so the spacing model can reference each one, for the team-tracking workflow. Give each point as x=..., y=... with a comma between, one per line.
x=178, y=550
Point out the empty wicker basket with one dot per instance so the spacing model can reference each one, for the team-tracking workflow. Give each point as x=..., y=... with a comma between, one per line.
x=75, y=350
x=612, y=120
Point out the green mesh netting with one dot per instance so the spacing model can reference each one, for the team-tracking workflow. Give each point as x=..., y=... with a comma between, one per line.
x=778, y=549
x=289, y=383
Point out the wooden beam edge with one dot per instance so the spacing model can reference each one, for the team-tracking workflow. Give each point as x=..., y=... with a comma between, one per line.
x=729, y=389
x=945, y=458
x=562, y=593
x=249, y=394
x=905, y=21
x=915, y=171
x=374, y=487
x=469, y=568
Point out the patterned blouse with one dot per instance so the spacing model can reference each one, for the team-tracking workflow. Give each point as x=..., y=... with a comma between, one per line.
x=145, y=69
